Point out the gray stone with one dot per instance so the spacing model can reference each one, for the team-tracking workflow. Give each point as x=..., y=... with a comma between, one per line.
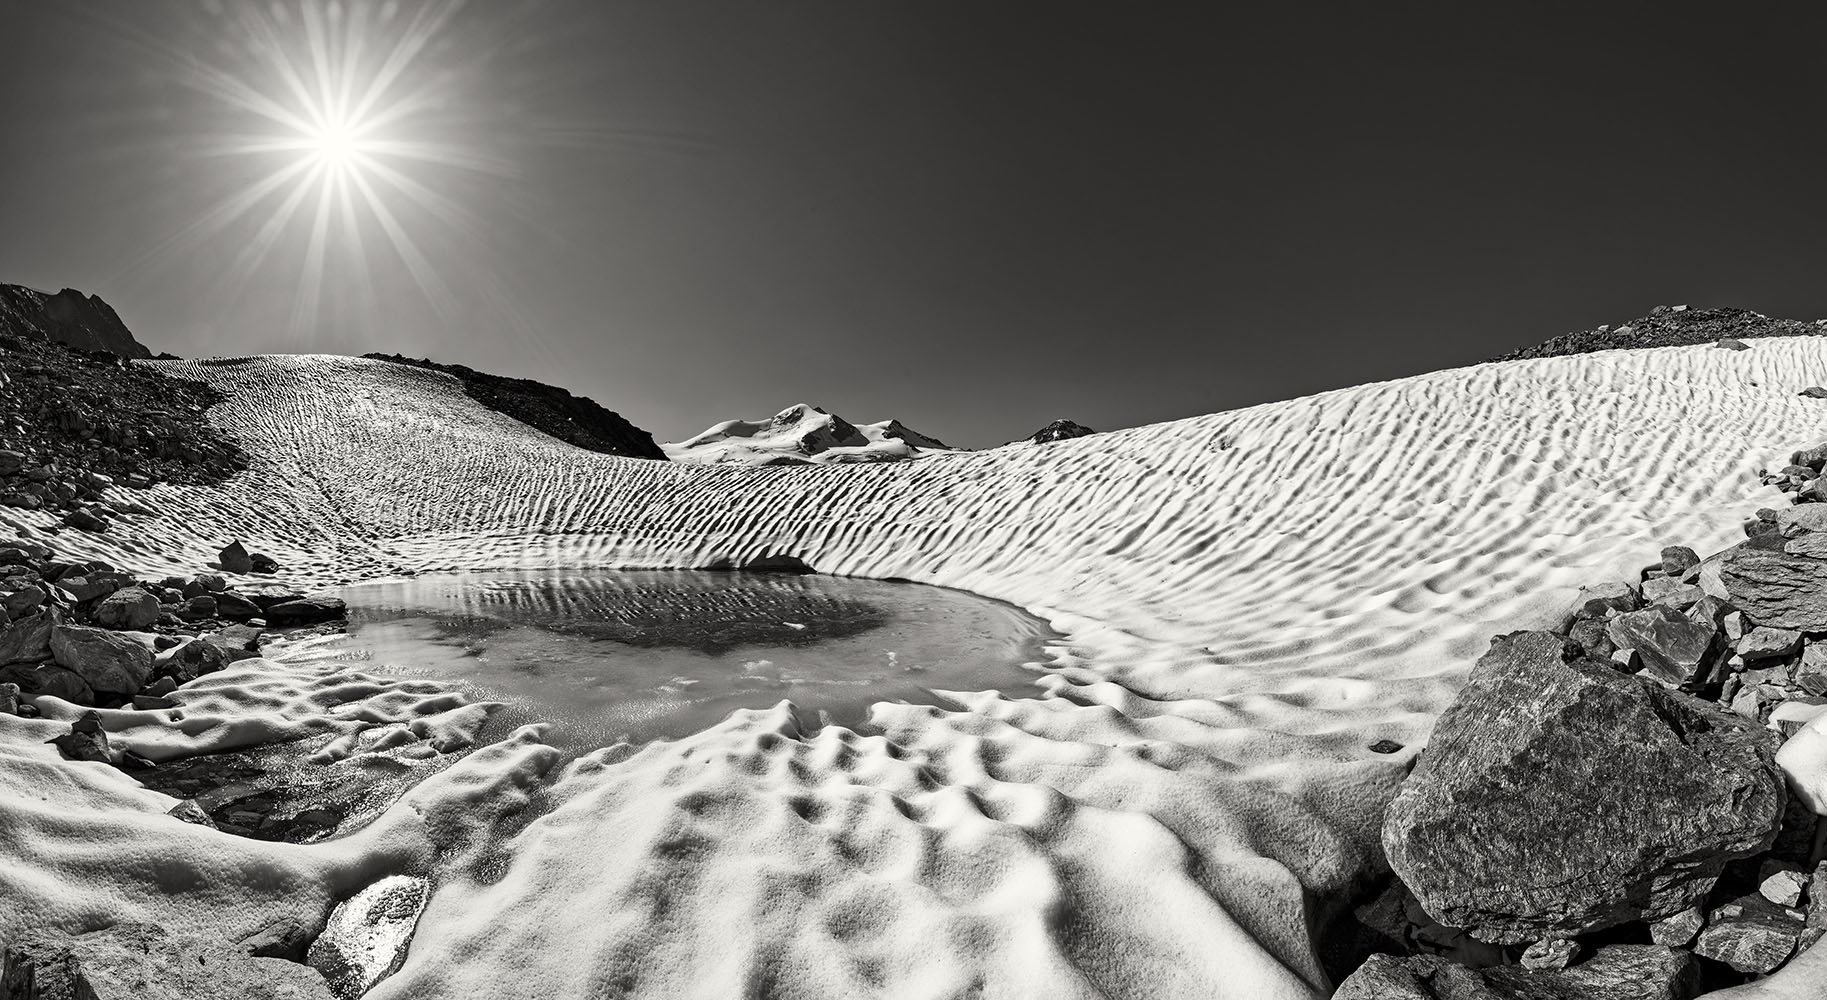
x=9, y=699
x=367, y=935
x=1776, y=589
x=1550, y=953
x=1783, y=887
x=27, y=640
x=190, y=812
x=1617, y=972
x=1766, y=643
x=1597, y=601
x=111, y=663
x=127, y=608
x=1678, y=559
x=1678, y=929
x=1817, y=897
x=1670, y=592
x=85, y=741
x=306, y=611
x=27, y=600
x=1591, y=634
x=40, y=679
x=1673, y=647
x=1750, y=935
x=1559, y=796
x=235, y=607
x=1814, y=392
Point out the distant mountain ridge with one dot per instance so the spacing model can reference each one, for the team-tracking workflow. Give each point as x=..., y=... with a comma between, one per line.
x=69, y=318
x=803, y=435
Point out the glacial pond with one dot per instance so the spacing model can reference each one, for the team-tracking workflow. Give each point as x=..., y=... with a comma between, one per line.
x=641, y=655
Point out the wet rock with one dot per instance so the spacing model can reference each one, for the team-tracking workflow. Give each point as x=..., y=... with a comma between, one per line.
x=129, y=608
x=234, y=558
x=109, y=662
x=1673, y=647
x=306, y=611
x=145, y=962
x=192, y=660
x=367, y=935
x=1618, y=972
x=199, y=608
x=85, y=740
x=263, y=563
x=1559, y=796
x=1750, y=934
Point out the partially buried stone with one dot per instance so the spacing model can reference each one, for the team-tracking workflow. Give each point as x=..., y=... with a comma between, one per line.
x=235, y=607
x=367, y=935
x=1558, y=796
x=190, y=812
x=1385, y=746
x=235, y=558
x=85, y=740
x=1592, y=635
x=1674, y=648
x=1617, y=972
x=84, y=519
x=1814, y=392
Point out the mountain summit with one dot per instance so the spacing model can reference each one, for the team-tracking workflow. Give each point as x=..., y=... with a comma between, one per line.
x=68, y=317
x=802, y=435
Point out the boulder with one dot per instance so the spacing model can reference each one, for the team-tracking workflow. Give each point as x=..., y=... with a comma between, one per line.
x=1599, y=601
x=1677, y=930
x=85, y=519
x=1775, y=588
x=1618, y=972
x=1558, y=796
x=234, y=558
x=128, y=608
x=1678, y=559
x=306, y=611
x=1670, y=592
x=235, y=607
x=85, y=741
x=192, y=660
x=367, y=935
x=1766, y=643
x=27, y=640
x=49, y=679
x=26, y=600
x=110, y=662
x=145, y=962
x=1673, y=647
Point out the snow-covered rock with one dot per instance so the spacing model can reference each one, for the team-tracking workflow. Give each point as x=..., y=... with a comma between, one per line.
x=802, y=435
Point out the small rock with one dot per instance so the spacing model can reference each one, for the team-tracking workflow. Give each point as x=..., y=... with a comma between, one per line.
x=1733, y=345
x=1784, y=887
x=1616, y=972
x=1672, y=593
x=1677, y=930
x=1753, y=937
x=1678, y=559
x=1814, y=392
x=1550, y=953
x=190, y=812
x=1385, y=746
x=85, y=740
x=284, y=938
x=235, y=558
x=1817, y=897
x=263, y=563
x=235, y=607
x=199, y=608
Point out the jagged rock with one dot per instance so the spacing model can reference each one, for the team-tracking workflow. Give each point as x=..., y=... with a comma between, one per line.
x=235, y=607
x=1678, y=929
x=234, y=558
x=263, y=563
x=27, y=640
x=190, y=812
x=1766, y=643
x=49, y=679
x=268, y=594
x=306, y=611
x=1559, y=796
x=1783, y=887
x=366, y=937
x=1550, y=953
x=27, y=600
x=110, y=663
x=1599, y=601
x=128, y=608
x=1750, y=934
x=1673, y=647
x=9, y=699
x=1670, y=592
x=145, y=962
x=199, y=608
x=1817, y=897
x=1618, y=972
x=1776, y=589
x=85, y=741
x=1593, y=636
x=192, y=660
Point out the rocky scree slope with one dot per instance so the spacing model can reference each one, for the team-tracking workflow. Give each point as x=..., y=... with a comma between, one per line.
x=68, y=317
x=575, y=420
x=1671, y=326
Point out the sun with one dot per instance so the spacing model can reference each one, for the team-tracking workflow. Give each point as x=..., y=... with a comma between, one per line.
x=336, y=145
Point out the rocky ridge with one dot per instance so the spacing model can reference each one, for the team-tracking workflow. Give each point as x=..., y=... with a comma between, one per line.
x=1671, y=326
x=85, y=323
x=1651, y=775
x=575, y=420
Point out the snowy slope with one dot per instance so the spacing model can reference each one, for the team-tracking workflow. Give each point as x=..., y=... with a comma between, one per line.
x=799, y=435
x=1251, y=599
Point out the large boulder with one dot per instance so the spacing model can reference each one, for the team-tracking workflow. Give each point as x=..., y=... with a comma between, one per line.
x=306, y=610
x=144, y=962
x=129, y=608
x=1619, y=972
x=111, y=663
x=1776, y=588
x=27, y=640
x=1558, y=796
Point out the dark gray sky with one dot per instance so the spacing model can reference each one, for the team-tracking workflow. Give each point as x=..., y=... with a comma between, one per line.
x=974, y=216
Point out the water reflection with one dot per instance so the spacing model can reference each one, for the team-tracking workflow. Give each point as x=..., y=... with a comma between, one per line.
x=639, y=655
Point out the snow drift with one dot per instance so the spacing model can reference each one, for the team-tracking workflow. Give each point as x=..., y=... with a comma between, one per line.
x=1251, y=599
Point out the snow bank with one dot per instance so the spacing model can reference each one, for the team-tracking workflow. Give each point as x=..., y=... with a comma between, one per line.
x=1252, y=598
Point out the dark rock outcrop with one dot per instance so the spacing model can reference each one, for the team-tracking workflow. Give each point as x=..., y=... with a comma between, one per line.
x=1671, y=327
x=1060, y=430
x=145, y=962
x=69, y=318
x=572, y=419
x=1559, y=796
